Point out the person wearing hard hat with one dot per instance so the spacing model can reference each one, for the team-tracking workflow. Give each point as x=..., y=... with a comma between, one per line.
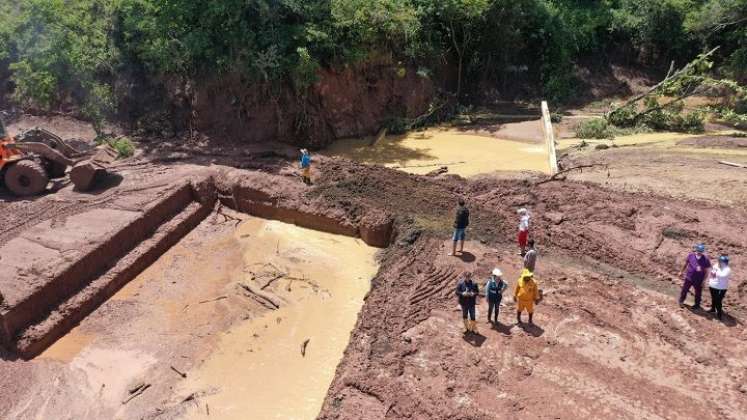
x=526, y=294
x=694, y=270
x=305, y=163
x=494, y=293
x=467, y=292
x=718, y=283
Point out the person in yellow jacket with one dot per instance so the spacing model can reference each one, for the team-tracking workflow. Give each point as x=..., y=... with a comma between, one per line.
x=526, y=294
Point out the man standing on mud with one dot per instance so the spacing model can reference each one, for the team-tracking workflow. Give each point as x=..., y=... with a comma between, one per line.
x=530, y=258
x=494, y=293
x=467, y=292
x=695, y=268
x=305, y=163
x=523, y=235
x=526, y=294
x=461, y=222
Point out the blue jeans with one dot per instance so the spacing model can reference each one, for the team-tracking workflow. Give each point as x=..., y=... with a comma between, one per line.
x=468, y=310
x=459, y=234
x=494, y=305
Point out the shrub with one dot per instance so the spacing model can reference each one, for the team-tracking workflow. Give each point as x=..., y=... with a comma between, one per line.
x=596, y=128
x=123, y=145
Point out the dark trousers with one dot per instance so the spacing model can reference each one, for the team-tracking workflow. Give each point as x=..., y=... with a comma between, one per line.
x=494, y=304
x=468, y=310
x=697, y=285
x=717, y=301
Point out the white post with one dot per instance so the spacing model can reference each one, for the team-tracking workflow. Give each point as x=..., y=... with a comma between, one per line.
x=549, y=138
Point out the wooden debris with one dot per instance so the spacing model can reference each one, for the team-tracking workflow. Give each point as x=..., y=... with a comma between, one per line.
x=557, y=176
x=736, y=165
x=261, y=295
x=380, y=135
x=213, y=300
x=182, y=374
x=134, y=392
x=303, y=347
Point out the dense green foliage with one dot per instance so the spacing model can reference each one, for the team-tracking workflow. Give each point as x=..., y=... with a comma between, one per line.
x=74, y=51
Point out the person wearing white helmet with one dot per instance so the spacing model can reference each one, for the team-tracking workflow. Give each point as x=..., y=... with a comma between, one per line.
x=718, y=283
x=494, y=293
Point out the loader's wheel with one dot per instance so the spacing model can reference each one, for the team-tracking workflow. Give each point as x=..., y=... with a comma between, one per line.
x=26, y=177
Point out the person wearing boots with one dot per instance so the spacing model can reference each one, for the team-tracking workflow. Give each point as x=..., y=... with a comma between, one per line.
x=467, y=292
x=526, y=294
x=494, y=293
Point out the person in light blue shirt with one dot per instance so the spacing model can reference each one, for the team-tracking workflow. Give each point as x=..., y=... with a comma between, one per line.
x=305, y=163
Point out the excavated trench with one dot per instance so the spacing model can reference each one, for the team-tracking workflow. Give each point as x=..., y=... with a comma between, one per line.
x=33, y=318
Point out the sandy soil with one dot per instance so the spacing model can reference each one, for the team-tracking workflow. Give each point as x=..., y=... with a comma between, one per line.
x=678, y=165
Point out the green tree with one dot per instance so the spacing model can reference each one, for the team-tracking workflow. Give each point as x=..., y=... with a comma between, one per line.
x=457, y=23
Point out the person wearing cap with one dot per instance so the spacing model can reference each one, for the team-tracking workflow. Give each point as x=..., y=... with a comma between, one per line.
x=694, y=270
x=305, y=163
x=526, y=294
x=494, y=293
x=467, y=292
x=523, y=235
x=718, y=283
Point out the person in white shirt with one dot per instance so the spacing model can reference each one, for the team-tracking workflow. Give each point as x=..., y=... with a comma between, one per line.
x=718, y=283
x=523, y=236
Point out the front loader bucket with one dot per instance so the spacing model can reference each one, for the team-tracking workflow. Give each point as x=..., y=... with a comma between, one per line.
x=86, y=173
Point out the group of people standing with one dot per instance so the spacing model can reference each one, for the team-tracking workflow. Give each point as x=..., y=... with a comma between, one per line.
x=697, y=266
x=526, y=292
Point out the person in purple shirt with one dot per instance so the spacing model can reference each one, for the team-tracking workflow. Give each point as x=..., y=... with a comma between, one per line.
x=695, y=268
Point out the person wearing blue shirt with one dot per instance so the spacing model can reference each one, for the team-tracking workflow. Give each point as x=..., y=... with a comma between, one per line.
x=305, y=166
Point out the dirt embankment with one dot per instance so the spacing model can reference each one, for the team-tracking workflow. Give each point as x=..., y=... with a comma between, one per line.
x=642, y=234
x=349, y=102
x=608, y=266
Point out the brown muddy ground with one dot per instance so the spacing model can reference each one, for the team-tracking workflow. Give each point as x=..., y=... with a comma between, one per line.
x=608, y=267
x=610, y=341
x=682, y=166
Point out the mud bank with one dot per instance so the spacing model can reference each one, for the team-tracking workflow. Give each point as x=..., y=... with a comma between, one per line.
x=354, y=101
x=76, y=281
x=67, y=269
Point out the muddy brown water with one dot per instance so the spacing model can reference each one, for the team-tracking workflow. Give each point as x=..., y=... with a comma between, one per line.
x=253, y=368
x=465, y=154
x=258, y=369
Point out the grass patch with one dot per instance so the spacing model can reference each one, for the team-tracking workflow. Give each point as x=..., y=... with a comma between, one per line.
x=595, y=128
x=123, y=145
